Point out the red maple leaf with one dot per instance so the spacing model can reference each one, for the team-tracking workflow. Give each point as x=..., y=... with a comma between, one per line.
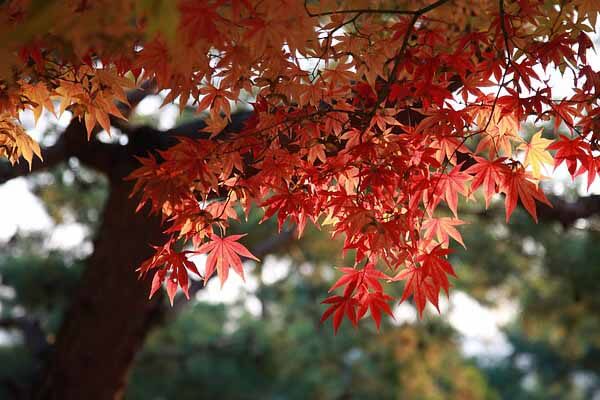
x=517, y=185
x=171, y=262
x=488, y=174
x=375, y=302
x=449, y=186
x=224, y=253
x=443, y=229
x=570, y=151
x=369, y=276
x=340, y=305
x=419, y=286
x=436, y=267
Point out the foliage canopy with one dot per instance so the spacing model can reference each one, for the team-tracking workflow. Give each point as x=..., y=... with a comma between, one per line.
x=371, y=118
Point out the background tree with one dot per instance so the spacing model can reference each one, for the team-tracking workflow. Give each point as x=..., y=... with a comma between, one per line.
x=388, y=121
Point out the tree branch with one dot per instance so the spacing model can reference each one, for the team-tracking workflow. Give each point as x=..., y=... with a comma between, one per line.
x=567, y=212
x=562, y=211
x=135, y=96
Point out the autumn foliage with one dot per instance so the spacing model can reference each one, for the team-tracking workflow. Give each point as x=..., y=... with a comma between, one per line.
x=371, y=119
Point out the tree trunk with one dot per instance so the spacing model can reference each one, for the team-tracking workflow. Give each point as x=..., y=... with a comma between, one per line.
x=110, y=314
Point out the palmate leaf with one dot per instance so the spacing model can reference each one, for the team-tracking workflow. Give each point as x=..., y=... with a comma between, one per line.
x=175, y=269
x=570, y=151
x=375, y=302
x=518, y=185
x=338, y=307
x=425, y=282
x=443, y=229
x=419, y=286
x=449, y=186
x=489, y=174
x=224, y=253
x=536, y=154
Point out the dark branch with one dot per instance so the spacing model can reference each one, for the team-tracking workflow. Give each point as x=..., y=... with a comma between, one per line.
x=562, y=211
x=135, y=96
x=568, y=212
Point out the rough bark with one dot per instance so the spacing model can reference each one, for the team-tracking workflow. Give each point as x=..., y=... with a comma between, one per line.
x=110, y=313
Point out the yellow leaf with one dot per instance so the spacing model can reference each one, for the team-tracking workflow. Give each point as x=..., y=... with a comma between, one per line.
x=330, y=220
x=536, y=154
x=15, y=142
x=40, y=96
x=27, y=146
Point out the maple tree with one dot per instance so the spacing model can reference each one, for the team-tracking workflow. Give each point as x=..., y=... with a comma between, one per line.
x=370, y=118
